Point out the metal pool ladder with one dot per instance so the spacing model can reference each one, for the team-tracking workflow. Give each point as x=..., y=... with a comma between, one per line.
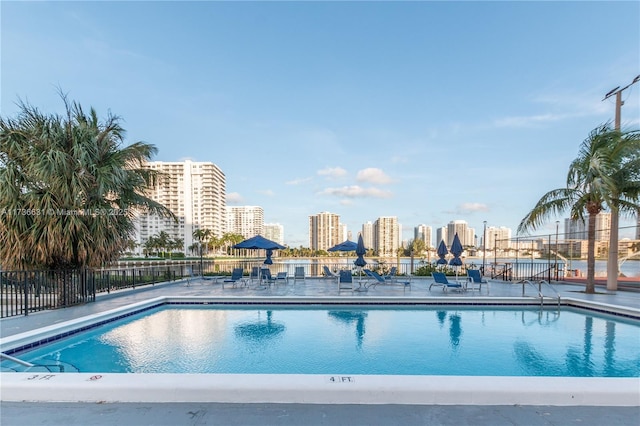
x=539, y=290
x=16, y=360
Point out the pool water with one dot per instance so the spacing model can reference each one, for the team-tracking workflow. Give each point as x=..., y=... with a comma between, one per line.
x=483, y=341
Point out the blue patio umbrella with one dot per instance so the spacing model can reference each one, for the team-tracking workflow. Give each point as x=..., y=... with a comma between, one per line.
x=360, y=262
x=344, y=246
x=456, y=251
x=260, y=243
x=442, y=252
x=257, y=243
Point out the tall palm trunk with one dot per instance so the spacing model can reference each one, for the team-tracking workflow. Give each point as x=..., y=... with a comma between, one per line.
x=591, y=254
x=612, y=261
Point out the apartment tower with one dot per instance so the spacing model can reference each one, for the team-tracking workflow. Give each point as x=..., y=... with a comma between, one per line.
x=196, y=194
x=325, y=231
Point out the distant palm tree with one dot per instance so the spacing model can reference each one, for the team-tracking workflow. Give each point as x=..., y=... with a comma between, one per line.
x=69, y=190
x=594, y=180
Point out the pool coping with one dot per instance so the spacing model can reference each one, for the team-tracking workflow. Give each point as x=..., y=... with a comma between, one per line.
x=316, y=389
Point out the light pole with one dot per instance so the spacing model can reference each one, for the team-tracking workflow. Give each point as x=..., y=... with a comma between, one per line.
x=484, y=245
x=495, y=252
x=557, y=223
x=612, y=262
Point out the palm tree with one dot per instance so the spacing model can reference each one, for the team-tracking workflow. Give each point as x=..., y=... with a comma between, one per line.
x=72, y=190
x=595, y=179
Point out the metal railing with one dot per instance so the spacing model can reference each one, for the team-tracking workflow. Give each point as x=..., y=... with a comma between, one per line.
x=539, y=290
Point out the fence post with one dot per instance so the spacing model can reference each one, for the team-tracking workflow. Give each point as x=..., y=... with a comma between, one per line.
x=26, y=293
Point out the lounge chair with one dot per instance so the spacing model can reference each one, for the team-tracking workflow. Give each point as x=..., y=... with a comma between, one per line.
x=281, y=277
x=345, y=280
x=328, y=273
x=440, y=279
x=475, y=278
x=236, y=276
x=391, y=276
x=298, y=274
x=374, y=277
x=379, y=279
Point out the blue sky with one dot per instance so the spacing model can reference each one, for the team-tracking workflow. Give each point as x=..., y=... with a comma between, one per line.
x=428, y=111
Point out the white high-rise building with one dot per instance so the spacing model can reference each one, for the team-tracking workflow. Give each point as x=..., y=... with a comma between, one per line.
x=196, y=194
x=325, y=231
x=274, y=232
x=247, y=221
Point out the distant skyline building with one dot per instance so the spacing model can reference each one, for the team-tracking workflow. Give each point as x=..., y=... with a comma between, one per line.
x=247, y=221
x=274, y=232
x=386, y=235
x=498, y=237
x=579, y=230
x=367, y=235
x=424, y=233
x=465, y=233
x=441, y=235
x=325, y=231
x=196, y=194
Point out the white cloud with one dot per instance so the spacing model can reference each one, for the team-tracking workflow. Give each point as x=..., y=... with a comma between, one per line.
x=373, y=175
x=332, y=172
x=299, y=181
x=473, y=207
x=355, y=191
x=267, y=192
x=527, y=121
x=234, y=198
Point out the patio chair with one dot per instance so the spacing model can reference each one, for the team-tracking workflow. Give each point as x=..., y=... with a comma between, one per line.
x=298, y=274
x=440, y=279
x=281, y=277
x=267, y=279
x=345, y=280
x=328, y=273
x=236, y=276
x=255, y=274
x=475, y=278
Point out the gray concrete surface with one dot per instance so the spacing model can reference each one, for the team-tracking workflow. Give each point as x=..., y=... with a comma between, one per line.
x=175, y=414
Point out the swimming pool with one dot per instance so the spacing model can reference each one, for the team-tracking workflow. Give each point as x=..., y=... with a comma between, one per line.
x=335, y=387
x=380, y=340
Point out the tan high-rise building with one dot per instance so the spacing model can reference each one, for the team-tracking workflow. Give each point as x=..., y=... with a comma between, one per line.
x=325, y=231
x=386, y=235
x=196, y=194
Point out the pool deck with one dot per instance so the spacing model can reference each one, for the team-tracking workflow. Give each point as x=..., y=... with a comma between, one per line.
x=168, y=412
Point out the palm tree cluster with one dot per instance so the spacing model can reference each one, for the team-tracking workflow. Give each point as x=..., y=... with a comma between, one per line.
x=605, y=175
x=163, y=242
x=69, y=188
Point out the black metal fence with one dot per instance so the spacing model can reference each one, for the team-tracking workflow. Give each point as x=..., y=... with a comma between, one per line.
x=24, y=292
